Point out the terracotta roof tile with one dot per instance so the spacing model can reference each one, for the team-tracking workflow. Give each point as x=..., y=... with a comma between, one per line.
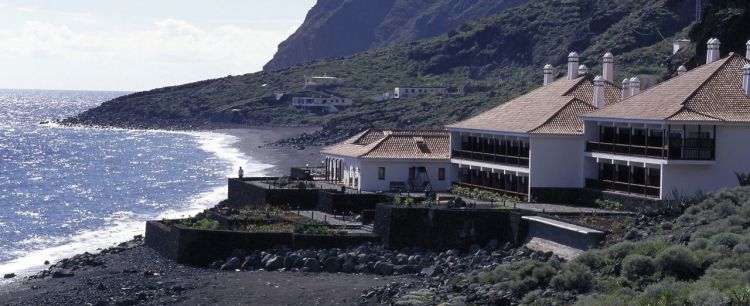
x=566, y=121
x=712, y=92
x=394, y=144
x=537, y=108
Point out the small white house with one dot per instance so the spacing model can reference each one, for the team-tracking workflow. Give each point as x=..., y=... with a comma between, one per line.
x=385, y=160
x=687, y=135
x=330, y=104
x=405, y=92
x=321, y=81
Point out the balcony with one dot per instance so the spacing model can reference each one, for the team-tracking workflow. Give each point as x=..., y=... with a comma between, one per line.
x=626, y=188
x=678, y=149
x=511, y=160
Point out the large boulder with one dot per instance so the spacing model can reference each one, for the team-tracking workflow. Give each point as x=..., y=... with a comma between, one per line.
x=332, y=265
x=291, y=260
x=348, y=266
x=311, y=265
x=274, y=263
x=231, y=264
x=383, y=268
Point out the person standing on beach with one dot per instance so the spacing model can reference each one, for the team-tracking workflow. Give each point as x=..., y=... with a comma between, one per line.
x=241, y=173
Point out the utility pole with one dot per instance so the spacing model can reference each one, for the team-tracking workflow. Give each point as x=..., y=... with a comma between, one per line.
x=698, y=9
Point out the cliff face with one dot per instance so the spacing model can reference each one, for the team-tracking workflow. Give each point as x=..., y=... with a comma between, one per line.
x=335, y=28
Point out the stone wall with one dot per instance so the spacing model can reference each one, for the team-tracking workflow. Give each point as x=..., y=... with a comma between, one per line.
x=343, y=203
x=440, y=229
x=241, y=193
x=199, y=247
x=557, y=196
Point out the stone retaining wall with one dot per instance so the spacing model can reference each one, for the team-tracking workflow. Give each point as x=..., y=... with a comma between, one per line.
x=199, y=247
x=240, y=194
x=441, y=229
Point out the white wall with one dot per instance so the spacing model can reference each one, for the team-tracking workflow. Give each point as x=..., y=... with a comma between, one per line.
x=398, y=171
x=556, y=161
x=732, y=155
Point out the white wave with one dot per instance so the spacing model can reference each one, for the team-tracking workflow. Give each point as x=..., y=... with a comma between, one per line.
x=123, y=226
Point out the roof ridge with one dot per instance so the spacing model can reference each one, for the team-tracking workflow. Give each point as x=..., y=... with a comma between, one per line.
x=576, y=84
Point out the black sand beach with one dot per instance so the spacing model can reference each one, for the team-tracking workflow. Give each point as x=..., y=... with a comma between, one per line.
x=132, y=274
x=257, y=143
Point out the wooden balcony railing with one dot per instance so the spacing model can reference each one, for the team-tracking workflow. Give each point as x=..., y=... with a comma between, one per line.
x=511, y=160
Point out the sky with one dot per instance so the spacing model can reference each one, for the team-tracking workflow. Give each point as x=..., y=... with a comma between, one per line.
x=134, y=45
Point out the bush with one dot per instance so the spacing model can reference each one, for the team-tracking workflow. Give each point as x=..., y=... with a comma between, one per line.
x=638, y=266
x=620, y=250
x=594, y=259
x=574, y=276
x=726, y=239
x=679, y=262
x=206, y=224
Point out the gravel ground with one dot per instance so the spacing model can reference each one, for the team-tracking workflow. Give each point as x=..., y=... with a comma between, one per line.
x=132, y=274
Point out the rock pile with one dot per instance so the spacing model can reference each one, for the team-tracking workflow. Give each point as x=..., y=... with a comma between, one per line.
x=375, y=259
x=68, y=266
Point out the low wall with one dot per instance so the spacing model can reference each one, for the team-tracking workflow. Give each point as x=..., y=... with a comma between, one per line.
x=242, y=193
x=331, y=202
x=200, y=247
x=560, y=237
x=630, y=203
x=440, y=228
x=556, y=195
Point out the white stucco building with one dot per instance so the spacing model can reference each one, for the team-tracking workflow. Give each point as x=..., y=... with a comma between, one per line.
x=312, y=81
x=687, y=135
x=410, y=91
x=321, y=104
x=383, y=160
x=531, y=147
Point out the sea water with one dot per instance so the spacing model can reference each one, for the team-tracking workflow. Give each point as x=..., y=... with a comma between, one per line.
x=66, y=190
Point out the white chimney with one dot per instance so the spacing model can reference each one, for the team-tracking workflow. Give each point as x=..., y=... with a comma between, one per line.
x=572, y=66
x=609, y=67
x=681, y=70
x=747, y=52
x=746, y=80
x=635, y=86
x=625, y=88
x=599, y=92
x=712, y=53
x=548, y=74
x=582, y=69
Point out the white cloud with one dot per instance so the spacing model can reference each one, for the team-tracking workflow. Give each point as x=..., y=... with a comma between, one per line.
x=167, y=41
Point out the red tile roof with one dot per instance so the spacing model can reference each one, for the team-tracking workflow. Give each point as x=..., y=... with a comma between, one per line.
x=712, y=92
x=394, y=144
x=548, y=109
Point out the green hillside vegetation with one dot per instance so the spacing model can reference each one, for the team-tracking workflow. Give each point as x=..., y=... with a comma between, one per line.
x=700, y=258
x=490, y=61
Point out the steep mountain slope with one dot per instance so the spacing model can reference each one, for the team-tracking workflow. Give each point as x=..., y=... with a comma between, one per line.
x=335, y=28
x=489, y=61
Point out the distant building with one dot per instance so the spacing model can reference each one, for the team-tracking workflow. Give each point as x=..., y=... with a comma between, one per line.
x=383, y=160
x=678, y=44
x=405, y=92
x=321, y=81
x=321, y=104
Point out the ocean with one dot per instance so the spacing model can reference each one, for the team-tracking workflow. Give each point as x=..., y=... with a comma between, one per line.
x=66, y=190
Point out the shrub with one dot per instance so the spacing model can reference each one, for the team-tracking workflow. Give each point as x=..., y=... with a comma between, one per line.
x=206, y=224
x=739, y=295
x=679, y=262
x=726, y=239
x=638, y=266
x=620, y=250
x=594, y=259
x=575, y=277
x=699, y=244
x=608, y=204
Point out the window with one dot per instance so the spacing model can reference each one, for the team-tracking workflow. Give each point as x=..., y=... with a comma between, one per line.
x=441, y=174
x=412, y=173
x=381, y=173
